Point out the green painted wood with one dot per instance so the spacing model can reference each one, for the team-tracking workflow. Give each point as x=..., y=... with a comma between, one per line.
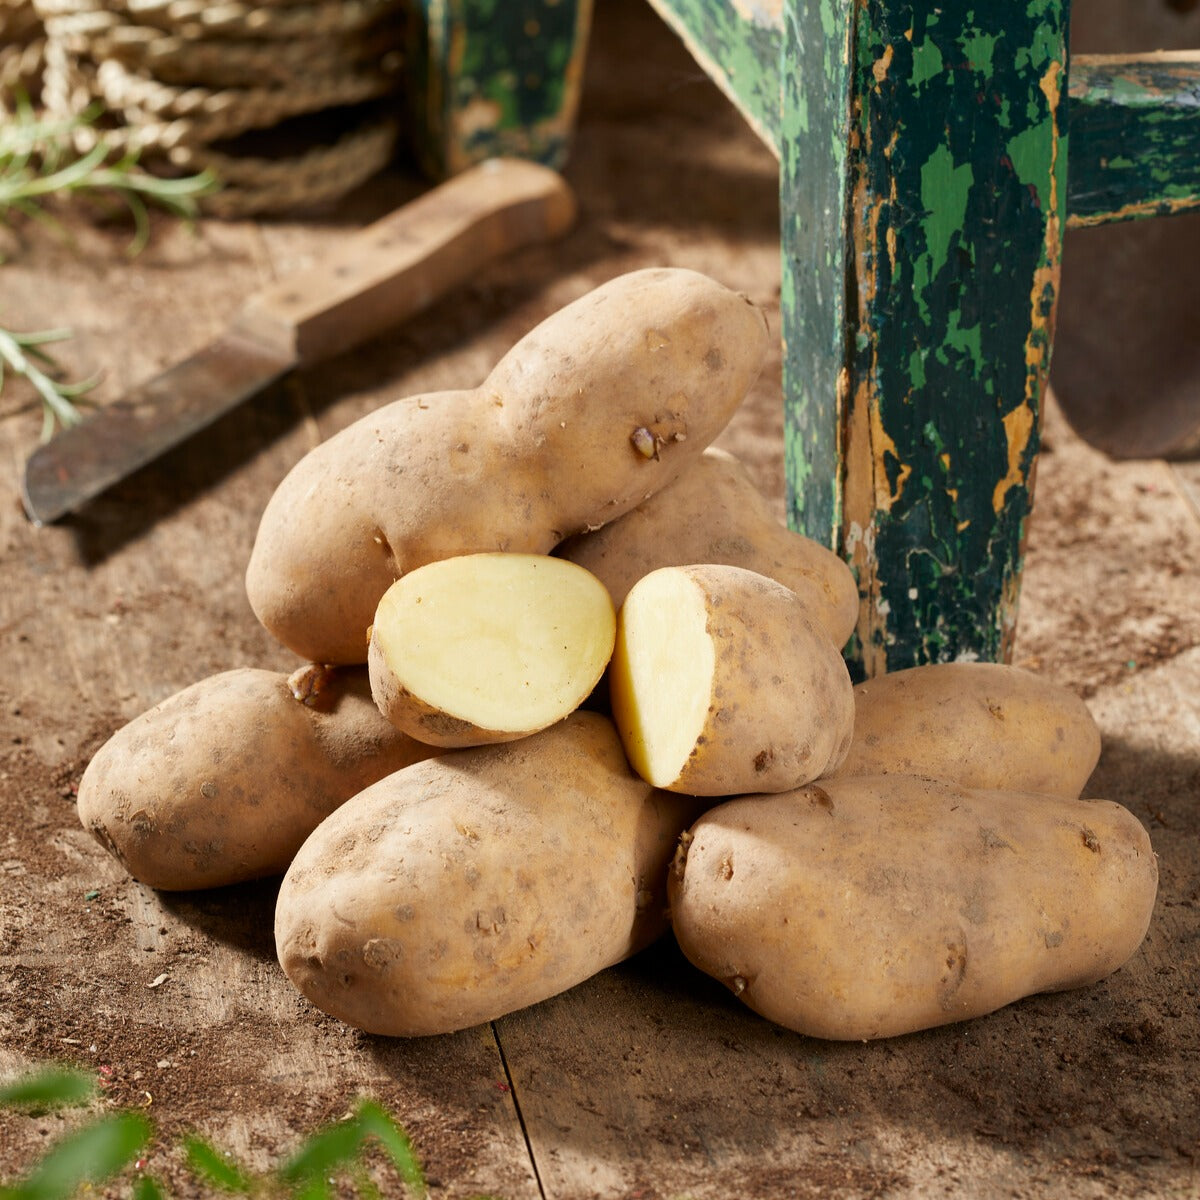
x=494, y=77
x=932, y=372
x=1134, y=121
x=1135, y=137
x=817, y=130
x=737, y=43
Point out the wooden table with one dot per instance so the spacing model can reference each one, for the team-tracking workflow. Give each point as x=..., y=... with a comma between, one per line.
x=648, y=1081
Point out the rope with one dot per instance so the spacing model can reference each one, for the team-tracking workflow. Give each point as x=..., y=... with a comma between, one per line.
x=182, y=80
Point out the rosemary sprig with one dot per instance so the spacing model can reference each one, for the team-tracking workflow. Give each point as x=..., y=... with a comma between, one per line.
x=38, y=159
x=22, y=354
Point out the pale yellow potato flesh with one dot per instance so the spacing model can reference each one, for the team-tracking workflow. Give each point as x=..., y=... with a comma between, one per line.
x=663, y=687
x=486, y=647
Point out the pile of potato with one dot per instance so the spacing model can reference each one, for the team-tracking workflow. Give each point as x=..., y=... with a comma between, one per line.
x=570, y=685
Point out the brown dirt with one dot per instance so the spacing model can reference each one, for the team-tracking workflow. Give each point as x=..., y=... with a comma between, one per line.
x=648, y=1081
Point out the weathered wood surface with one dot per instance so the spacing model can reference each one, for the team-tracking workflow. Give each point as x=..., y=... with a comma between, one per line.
x=949, y=127
x=492, y=77
x=1126, y=353
x=649, y=1081
x=1135, y=136
x=1133, y=117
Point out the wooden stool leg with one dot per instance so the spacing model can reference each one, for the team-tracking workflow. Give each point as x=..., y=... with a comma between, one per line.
x=494, y=77
x=923, y=202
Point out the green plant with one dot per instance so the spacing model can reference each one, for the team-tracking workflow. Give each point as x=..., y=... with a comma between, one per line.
x=22, y=354
x=108, y=1146
x=39, y=159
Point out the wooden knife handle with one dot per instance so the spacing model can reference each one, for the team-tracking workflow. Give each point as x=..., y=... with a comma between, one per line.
x=403, y=263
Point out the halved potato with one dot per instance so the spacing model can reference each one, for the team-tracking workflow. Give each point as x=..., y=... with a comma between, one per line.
x=722, y=682
x=486, y=648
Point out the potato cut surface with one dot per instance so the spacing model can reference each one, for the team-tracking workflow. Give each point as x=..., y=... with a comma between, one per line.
x=662, y=672
x=503, y=644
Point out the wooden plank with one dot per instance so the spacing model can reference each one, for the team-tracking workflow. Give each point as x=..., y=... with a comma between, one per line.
x=934, y=359
x=738, y=45
x=492, y=77
x=1135, y=136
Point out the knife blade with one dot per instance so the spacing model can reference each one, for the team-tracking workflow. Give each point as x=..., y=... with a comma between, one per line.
x=377, y=278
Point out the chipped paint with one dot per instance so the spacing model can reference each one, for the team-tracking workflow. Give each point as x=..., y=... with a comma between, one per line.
x=487, y=77
x=1135, y=126
x=954, y=237
x=815, y=181
x=1018, y=429
x=737, y=43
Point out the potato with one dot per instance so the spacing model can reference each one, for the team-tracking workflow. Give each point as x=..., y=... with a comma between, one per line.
x=721, y=683
x=982, y=725
x=223, y=781
x=880, y=905
x=477, y=883
x=602, y=404
x=713, y=513
x=485, y=648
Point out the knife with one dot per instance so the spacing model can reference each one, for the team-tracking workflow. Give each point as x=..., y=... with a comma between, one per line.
x=380, y=276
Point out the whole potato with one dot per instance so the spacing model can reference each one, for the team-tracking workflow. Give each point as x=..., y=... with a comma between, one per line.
x=982, y=725
x=602, y=404
x=480, y=882
x=880, y=905
x=223, y=781
x=713, y=513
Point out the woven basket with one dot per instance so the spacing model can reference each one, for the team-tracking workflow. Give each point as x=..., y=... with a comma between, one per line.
x=183, y=82
x=22, y=46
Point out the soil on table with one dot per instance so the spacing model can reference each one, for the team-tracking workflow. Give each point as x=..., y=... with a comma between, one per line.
x=649, y=1081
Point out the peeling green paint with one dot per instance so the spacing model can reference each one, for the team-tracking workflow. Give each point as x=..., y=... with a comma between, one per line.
x=945, y=187
x=927, y=63
x=956, y=228
x=488, y=77
x=979, y=49
x=1135, y=129
x=1030, y=152
x=814, y=181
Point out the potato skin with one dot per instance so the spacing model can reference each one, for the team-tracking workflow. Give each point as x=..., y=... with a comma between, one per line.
x=981, y=725
x=596, y=408
x=713, y=513
x=472, y=885
x=876, y=906
x=223, y=781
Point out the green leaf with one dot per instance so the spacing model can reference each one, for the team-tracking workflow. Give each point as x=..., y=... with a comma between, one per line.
x=375, y=1121
x=50, y=1088
x=324, y=1152
x=146, y=1188
x=211, y=1165
x=90, y=1155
